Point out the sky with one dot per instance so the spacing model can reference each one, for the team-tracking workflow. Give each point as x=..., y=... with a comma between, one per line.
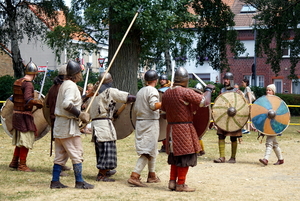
x=68, y=3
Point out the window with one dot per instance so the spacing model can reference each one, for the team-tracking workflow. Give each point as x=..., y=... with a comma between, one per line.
x=248, y=9
x=278, y=84
x=296, y=87
x=260, y=80
x=203, y=76
x=249, y=45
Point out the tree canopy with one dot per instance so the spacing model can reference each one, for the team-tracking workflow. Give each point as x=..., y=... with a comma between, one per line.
x=20, y=22
x=277, y=25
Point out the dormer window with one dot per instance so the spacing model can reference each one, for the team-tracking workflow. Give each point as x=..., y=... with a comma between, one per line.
x=248, y=9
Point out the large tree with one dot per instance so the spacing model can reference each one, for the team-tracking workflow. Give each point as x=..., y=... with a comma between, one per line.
x=164, y=29
x=20, y=21
x=277, y=25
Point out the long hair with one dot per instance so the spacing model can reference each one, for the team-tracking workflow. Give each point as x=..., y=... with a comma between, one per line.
x=58, y=79
x=246, y=81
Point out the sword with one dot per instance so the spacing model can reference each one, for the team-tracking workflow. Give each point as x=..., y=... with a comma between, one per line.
x=199, y=79
x=112, y=60
x=43, y=83
x=86, y=77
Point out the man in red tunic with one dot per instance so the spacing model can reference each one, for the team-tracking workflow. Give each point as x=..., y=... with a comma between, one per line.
x=182, y=142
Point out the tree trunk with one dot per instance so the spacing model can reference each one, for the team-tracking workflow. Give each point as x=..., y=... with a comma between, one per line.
x=125, y=66
x=15, y=50
x=168, y=62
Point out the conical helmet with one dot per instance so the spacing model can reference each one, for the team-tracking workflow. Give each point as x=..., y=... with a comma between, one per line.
x=31, y=68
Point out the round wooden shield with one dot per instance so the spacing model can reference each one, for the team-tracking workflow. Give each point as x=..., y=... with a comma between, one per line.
x=201, y=120
x=270, y=115
x=46, y=111
x=39, y=120
x=162, y=125
x=123, y=123
x=230, y=111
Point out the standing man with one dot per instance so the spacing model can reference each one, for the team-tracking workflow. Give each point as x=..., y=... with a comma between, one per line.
x=228, y=87
x=104, y=133
x=51, y=102
x=164, y=85
x=182, y=143
x=66, y=129
x=146, y=130
x=22, y=120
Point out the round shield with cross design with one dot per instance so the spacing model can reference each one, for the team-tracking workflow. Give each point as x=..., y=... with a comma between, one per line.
x=230, y=111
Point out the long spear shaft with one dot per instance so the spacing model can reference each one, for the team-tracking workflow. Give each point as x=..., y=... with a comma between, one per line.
x=112, y=60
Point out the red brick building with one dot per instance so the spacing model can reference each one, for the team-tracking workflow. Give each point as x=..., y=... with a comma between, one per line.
x=241, y=66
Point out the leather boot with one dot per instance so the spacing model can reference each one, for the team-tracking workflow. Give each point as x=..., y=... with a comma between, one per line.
x=15, y=162
x=102, y=176
x=172, y=185
x=152, y=178
x=264, y=161
x=184, y=188
x=135, y=180
x=279, y=162
x=57, y=184
x=23, y=167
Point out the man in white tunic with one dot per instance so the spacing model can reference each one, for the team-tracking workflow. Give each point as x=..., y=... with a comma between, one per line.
x=147, y=130
x=104, y=133
x=66, y=129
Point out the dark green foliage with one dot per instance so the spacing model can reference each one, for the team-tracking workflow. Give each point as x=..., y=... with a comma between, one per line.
x=277, y=24
x=6, y=86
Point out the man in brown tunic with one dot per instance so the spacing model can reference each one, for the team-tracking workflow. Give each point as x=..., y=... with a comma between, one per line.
x=182, y=143
x=23, y=124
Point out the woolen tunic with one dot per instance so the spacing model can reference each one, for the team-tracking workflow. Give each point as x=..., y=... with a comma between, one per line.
x=103, y=107
x=66, y=123
x=147, y=124
x=178, y=103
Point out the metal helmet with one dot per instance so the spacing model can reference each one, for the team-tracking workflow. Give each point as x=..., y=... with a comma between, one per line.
x=73, y=68
x=229, y=76
x=163, y=77
x=181, y=77
x=199, y=86
x=107, y=78
x=62, y=70
x=151, y=75
x=31, y=68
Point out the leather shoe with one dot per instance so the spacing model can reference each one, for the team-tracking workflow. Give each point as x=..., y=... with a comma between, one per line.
x=279, y=162
x=264, y=161
x=57, y=184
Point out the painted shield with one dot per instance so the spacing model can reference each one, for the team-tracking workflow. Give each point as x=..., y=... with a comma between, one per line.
x=123, y=123
x=39, y=120
x=230, y=111
x=270, y=115
x=201, y=120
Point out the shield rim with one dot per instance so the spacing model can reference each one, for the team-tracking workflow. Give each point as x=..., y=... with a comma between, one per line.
x=244, y=103
x=268, y=134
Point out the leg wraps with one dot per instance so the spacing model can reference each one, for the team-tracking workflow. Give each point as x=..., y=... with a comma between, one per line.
x=222, y=148
x=173, y=172
x=277, y=149
x=78, y=172
x=23, y=153
x=269, y=146
x=56, y=172
x=140, y=164
x=233, y=149
x=182, y=172
x=151, y=164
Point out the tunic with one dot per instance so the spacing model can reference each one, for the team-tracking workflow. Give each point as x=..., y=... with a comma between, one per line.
x=178, y=103
x=66, y=124
x=102, y=109
x=147, y=124
x=23, y=122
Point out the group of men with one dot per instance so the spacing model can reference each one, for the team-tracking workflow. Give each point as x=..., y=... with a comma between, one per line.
x=178, y=102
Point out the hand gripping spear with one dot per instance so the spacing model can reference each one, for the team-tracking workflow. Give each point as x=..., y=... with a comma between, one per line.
x=113, y=58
